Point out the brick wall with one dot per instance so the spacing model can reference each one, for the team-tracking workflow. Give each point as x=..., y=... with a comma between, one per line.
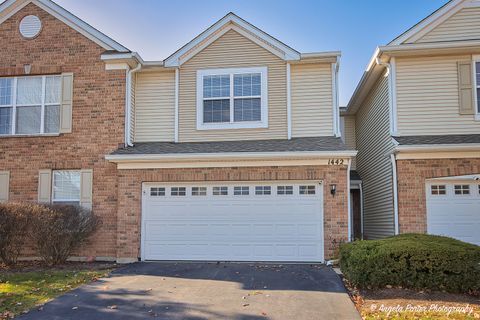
x=412, y=174
x=98, y=118
x=130, y=187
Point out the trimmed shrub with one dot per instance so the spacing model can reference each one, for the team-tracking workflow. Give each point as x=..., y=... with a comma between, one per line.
x=14, y=222
x=415, y=261
x=57, y=230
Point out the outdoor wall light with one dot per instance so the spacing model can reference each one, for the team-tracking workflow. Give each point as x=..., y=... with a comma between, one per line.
x=27, y=68
x=333, y=189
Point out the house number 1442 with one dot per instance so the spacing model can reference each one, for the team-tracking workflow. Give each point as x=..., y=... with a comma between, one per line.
x=335, y=162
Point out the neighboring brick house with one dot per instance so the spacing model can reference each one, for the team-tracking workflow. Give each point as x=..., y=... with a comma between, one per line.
x=415, y=120
x=227, y=150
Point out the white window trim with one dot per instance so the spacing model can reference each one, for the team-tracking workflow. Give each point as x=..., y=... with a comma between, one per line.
x=263, y=123
x=42, y=106
x=476, y=58
x=53, y=200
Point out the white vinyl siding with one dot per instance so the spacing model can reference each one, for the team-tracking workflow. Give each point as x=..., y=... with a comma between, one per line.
x=374, y=145
x=428, y=97
x=155, y=106
x=312, y=100
x=233, y=50
x=464, y=25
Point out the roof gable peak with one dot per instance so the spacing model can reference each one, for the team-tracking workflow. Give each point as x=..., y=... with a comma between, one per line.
x=231, y=22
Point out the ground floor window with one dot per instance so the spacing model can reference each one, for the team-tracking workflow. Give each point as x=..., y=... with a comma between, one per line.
x=66, y=187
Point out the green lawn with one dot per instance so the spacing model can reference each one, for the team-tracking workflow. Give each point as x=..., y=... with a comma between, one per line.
x=23, y=291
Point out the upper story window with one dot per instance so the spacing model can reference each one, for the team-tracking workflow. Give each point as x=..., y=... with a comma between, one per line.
x=30, y=105
x=232, y=98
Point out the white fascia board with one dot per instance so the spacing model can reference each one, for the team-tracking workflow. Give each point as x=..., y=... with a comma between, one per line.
x=437, y=147
x=430, y=46
x=289, y=53
x=466, y=177
x=429, y=23
x=122, y=56
x=10, y=7
x=232, y=156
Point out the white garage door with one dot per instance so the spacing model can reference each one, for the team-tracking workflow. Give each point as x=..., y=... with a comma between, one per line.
x=233, y=222
x=453, y=209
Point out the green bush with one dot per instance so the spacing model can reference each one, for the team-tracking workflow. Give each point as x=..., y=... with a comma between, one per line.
x=14, y=222
x=415, y=261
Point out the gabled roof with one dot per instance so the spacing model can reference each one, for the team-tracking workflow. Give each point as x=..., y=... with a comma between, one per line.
x=11, y=7
x=430, y=22
x=227, y=23
x=406, y=44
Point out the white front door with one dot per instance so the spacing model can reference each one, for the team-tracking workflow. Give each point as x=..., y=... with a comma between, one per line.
x=266, y=221
x=453, y=209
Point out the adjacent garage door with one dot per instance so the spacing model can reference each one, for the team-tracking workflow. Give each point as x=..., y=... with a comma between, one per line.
x=453, y=209
x=233, y=222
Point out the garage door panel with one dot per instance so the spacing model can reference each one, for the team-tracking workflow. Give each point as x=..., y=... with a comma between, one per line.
x=452, y=213
x=238, y=228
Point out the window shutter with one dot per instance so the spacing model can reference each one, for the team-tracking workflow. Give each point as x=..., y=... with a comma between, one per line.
x=44, y=186
x=4, y=185
x=465, y=87
x=67, y=102
x=86, y=186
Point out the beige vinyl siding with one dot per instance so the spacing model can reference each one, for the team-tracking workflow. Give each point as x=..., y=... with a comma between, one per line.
x=374, y=145
x=427, y=97
x=155, y=106
x=233, y=50
x=349, y=136
x=464, y=25
x=311, y=89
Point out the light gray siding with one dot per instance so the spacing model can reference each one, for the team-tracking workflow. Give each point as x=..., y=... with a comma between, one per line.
x=374, y=145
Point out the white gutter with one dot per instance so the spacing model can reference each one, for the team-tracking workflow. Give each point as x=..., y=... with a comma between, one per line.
x=395, y=193
x=438, y=147
x=326, y=54
x=128, y=105
x=230, y=155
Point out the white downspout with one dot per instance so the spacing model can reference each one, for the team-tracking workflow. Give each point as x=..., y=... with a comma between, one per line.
x=177, y=85
x=395, y=192
x=128, y=105
x=289, y=103
x=349, y=201
x=361, y=209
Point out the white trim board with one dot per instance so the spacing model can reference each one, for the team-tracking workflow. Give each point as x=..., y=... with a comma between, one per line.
x=11, y=7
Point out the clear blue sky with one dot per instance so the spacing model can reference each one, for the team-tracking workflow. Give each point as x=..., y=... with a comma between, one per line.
x=156, y=29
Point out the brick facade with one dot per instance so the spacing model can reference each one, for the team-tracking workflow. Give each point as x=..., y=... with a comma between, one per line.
x=98, y=130
x=98, y=118
x=130, y=188
x=411, y=175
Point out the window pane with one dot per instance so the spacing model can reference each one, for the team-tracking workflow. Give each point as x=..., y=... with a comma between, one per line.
x=220, y=191
x=66, y=186
x=216, y=86
x=6, y=91
x=241, y=191
x=478, y=100
x=283, y=190
x=477, y=68
x=216, y=111
x=199, y=191
x=178, y=191
x=29, y=91
x=52, y=89
x=248, y=84
x=157, y=192
x=28, y=120
x=5, y=120
x=52, y=119
x=263, y=190
x=247, y=109
x=307, y=189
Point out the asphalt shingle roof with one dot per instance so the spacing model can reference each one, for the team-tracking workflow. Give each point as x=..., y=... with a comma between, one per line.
x=295, y=144
x=438, y=139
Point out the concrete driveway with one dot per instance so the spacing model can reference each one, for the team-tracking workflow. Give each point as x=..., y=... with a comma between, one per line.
x=207, y=291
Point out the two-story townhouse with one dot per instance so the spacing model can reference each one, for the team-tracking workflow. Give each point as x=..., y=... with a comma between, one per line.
x=416, y=120
x=61, y=111
x=229, y=149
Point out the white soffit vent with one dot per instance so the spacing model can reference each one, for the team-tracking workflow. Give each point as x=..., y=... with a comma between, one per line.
x=30, y=26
